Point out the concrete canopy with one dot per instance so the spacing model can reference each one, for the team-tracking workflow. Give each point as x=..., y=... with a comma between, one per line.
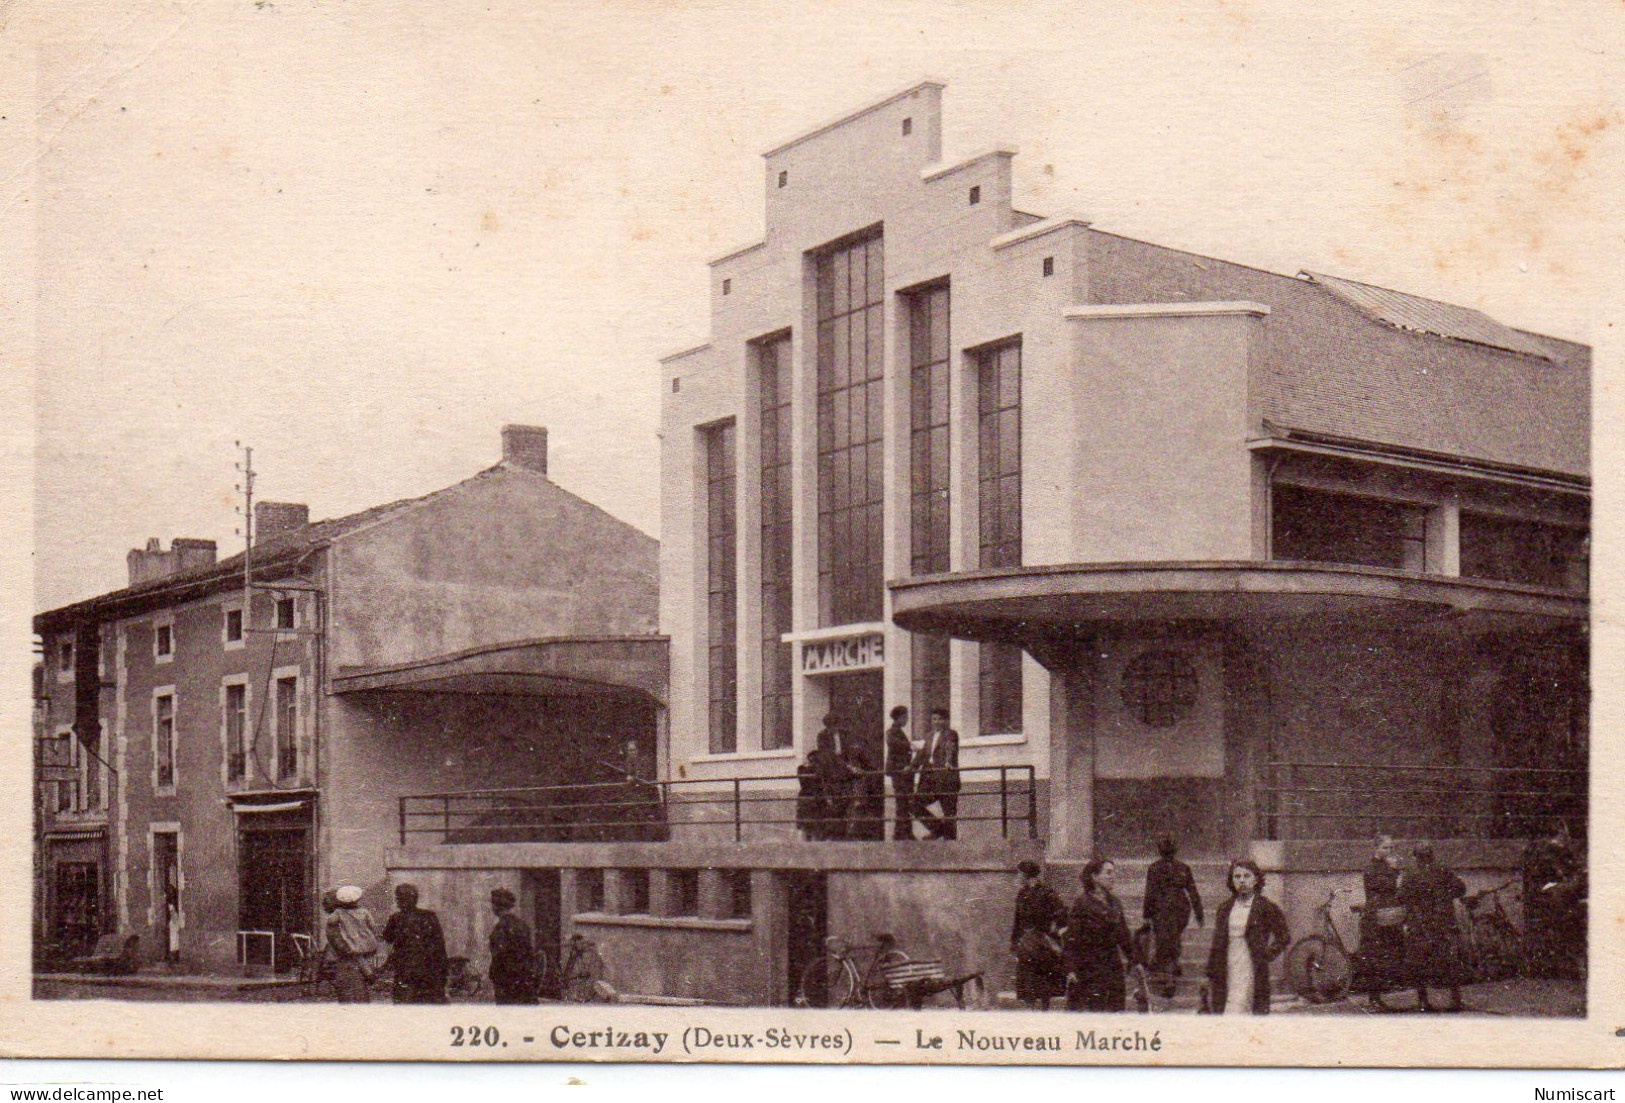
x=1042, y=605
x=574, y=666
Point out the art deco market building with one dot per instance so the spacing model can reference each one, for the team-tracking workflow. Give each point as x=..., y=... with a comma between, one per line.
x=1269, y=563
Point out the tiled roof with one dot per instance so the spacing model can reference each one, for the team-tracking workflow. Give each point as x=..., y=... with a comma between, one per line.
x=283, y=548
x=1419, y=315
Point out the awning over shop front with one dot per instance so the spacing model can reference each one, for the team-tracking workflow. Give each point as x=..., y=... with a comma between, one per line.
x=1037, y=605
x=573, y=666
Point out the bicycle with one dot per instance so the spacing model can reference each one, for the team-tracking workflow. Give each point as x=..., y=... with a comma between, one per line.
x=1497, y=945
x=1319, y=966
x=463, y=981
x=835, y=980
x=580, y=978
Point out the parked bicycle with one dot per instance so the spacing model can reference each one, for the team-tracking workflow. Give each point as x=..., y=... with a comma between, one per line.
x=463, y=981
x=836, y=980
x=578, y=978
x=1497, y=946
x=1320, y=967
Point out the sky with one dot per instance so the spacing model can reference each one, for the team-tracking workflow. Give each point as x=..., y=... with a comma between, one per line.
x=362, y=235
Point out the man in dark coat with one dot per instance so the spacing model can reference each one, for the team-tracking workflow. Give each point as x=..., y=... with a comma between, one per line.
x=1040, y=913
x=862, y=752
x=900, y=769
x=513, y=954
x=417, y=950
x=938, y=765
x=1170, y=901
x=834, y=779
x=1382, y=941
x=1433, y=953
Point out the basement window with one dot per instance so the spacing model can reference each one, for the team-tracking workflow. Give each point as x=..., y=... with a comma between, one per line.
x=684, y=886
x=738, y=896
x=635, y=892
x=589, y=890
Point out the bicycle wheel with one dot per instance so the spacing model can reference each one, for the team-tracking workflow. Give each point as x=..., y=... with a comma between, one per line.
x=547, y=976
x=586, y=969
x=1317, y=970
x=1497, y=949
x=876, y=992
x=826, y=982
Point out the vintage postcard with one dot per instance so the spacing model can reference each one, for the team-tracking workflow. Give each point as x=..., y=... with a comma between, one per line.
x=923, y=533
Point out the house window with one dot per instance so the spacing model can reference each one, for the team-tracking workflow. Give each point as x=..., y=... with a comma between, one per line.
x=998, y=439
x=236, y=726
x=683, y=886
x=776, y=379
x=163, y=641
x=738, y=896
x=64, y=658
x=163, y=740
x=233, y=629
x=1325, y=527
x=284, y=614
x=721, y=589
x=287, y=727
x=88, y=755
x=589, y=890
x=929, y=452
x=1503, y=549
x=851, y=435
x=1159, y=688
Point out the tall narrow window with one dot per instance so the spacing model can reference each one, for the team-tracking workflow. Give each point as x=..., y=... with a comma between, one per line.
x=90, y=770
x=163, y=740
x=998, y=373
x=928, y=478
x=287, y=727
x=236, y=706
x=850, y=432
x=775, y=377
x=721, y=593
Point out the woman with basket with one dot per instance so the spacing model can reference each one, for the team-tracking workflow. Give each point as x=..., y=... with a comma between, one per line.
x=1040, y=972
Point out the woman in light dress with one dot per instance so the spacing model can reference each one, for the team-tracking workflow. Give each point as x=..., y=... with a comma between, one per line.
x=1249, y=932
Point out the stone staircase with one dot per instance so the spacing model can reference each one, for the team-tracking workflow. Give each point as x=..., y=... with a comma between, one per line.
x=1130, y=890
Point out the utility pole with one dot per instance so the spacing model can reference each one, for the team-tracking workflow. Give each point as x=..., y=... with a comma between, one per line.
x=246, y=468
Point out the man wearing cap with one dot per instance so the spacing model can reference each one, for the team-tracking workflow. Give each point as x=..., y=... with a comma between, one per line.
x=513, y=958
x=417, y=950
x=352, y=940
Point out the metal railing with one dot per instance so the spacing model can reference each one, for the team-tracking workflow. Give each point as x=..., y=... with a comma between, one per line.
x=1341, y=800
x=749, y=808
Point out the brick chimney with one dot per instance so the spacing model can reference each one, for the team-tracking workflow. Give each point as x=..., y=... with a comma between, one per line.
x=152, y=562
x=273, y=519
x=191, y=554
x=525, y=446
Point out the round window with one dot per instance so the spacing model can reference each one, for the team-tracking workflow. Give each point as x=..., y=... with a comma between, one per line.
x=1159, y=687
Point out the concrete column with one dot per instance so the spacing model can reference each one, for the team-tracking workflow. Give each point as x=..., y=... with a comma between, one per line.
x=617, y=891
x=662, y=893
x=1072, y=754
x=715, y=898
x=770, y=932
x=1444, y=537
